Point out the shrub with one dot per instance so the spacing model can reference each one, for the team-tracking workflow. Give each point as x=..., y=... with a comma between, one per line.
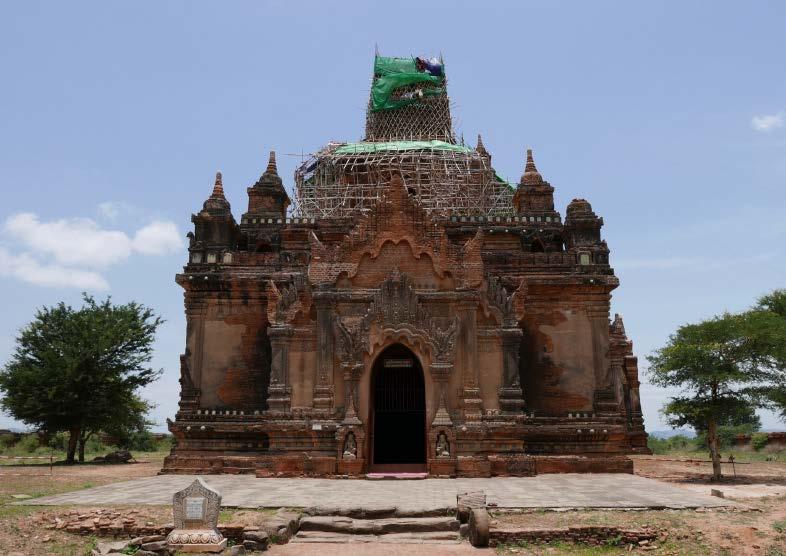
x=165, y=444
x=6, y=441
x=59, y=441
x=677, y=443
x=141, y=441
x=95, y=446
x=28, y=444
x=759, y=440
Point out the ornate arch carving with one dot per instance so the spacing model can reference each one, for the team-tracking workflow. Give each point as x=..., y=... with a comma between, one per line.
x=396, y=310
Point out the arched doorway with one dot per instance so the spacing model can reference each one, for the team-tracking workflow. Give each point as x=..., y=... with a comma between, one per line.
x=398, y=412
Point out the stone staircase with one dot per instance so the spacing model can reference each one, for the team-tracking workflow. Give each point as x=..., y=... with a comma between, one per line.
x=342, y=529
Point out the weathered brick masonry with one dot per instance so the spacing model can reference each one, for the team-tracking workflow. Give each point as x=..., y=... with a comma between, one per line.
x=431, y=317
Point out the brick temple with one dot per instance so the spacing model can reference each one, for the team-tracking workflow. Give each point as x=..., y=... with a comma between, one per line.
x=405, y=310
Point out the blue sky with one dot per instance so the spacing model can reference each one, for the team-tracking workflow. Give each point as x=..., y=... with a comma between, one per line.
x=669, y=117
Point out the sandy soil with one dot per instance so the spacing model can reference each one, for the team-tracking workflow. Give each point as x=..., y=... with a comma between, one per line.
x=753, y=531
x=752, y=480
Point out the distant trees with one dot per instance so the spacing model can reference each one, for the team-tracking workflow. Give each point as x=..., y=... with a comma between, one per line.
x=726, y=366
x=78, y=370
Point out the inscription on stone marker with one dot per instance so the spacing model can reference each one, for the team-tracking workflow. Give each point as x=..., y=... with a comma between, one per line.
x=195, y=512
x=195, y=509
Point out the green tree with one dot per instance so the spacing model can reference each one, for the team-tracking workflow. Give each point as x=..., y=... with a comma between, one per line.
x=725, y=366
x=744, y=422
x=773, y=309
x=78, y=370
x=130, y=425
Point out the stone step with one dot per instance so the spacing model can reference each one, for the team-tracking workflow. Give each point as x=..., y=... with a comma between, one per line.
x=396, y=476
x=424, y=537
x=384, y=526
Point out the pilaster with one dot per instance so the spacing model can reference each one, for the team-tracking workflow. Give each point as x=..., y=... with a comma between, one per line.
x=323, y=385
x=511, y=394
x=279, y=392
x=468, y=350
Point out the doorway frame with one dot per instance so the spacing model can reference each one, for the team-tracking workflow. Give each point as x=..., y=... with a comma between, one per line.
x=371, y=436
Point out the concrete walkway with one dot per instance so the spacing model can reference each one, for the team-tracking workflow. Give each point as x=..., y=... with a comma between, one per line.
x=543, y=491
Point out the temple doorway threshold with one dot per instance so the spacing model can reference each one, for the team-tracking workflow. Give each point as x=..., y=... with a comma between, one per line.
x=397, y=475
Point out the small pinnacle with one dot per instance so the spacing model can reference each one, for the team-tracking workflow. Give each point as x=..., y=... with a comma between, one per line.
x=271, y=164
x=618, y=326
x=480, y=148
x=530, y=167
x=218, y=188
x=531, y=175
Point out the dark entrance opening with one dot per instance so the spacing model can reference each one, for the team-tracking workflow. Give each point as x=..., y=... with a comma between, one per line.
x=399, y=411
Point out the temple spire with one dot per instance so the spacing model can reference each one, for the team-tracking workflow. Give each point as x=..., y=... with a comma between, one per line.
x=618, y=327
x=271, y=164
x=268, y=198
x=217, y=203
x=531, y=175
x=530, y=167
x=480, y=148
x=218, y=188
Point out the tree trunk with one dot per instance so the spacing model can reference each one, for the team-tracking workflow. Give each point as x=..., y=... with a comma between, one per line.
x=82, y=440
x=73, y=440
x=712, y=442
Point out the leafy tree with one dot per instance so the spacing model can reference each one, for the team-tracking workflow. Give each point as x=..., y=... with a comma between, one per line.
x=78, y=370
x=130, y=427
x=773, y=307
x=745, y=422
x=726, y=366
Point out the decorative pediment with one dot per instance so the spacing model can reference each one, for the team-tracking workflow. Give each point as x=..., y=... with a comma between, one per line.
x=397, y=303
x=395, y=308
x=397, y=218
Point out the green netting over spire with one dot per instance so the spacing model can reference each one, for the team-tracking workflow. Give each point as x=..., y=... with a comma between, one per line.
x=393, y=73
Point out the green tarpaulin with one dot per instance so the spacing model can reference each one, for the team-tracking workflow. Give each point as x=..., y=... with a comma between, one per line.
x=392, y=73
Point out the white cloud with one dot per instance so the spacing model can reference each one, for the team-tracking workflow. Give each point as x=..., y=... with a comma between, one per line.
x=66, y=252
x=27, y=269
x=81, y=241
x=767, y=122
x=75, y=241
x=157, y=238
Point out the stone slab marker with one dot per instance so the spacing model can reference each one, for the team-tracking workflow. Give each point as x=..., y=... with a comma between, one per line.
x=195, y=510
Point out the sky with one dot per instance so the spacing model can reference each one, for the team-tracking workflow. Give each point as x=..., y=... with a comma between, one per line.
x=669, y=117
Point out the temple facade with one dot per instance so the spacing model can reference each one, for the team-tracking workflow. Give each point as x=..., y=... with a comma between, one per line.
x=412, y=312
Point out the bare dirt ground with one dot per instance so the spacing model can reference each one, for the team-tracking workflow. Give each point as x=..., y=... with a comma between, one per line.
x=761, y=530
x=22, y=528
x=754, y=479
